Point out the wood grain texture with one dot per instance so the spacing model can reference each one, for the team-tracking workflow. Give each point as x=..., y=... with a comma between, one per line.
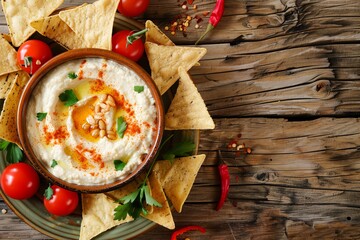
x=276, y=71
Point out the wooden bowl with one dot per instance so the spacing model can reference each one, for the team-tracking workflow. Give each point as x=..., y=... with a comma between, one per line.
x=82, y=54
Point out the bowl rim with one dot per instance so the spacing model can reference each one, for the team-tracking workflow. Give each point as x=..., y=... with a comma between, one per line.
x=82, y=54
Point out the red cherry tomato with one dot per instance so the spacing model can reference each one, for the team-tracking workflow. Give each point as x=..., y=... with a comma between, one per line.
x=19, y=181
x=32, y=54
x=62, y=202
x=133, y=8
x=132, y=51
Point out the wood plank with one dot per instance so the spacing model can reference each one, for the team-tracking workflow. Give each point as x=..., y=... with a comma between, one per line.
x=323, y=155
x=315, y=21
x=296, y=81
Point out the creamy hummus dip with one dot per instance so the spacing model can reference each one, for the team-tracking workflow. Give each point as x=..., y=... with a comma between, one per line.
x=112, y=121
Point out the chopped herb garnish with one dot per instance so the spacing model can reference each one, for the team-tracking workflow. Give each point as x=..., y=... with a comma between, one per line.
x=48, y=193
x=138, y=89
x=13, y=153
x=181, y=149
x=119, y=165
x=27, y=61
x=53, y=163
x=72, y=75
x=68, y=97
x=121, y=126
x=41, y=116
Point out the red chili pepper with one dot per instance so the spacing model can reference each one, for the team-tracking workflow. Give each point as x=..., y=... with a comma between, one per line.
x=225, y=182
x=214, y=19
x=186, y=229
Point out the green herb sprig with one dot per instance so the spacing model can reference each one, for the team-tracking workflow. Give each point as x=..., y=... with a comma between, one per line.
x=119, y=165
x=72, y=75
x=121, y=126
x=53, y=163
x=13, y=153
x=138, y=89
x=41, y=116
x=182, y=149
x=68, y=97
x=49, y=192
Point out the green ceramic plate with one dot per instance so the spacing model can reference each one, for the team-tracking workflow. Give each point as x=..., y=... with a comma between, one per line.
x=33, y=212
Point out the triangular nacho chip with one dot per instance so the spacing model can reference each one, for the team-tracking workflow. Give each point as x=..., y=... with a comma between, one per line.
x=160, y=169
x=56, y=29
x=6, y=37
x=93, y=22
x=20, y=13
x=6, y=82
x=8, y=130
x=187, y=110
x=98, y=215
x=8, y=59
x=165, y=60
x=180, y=179
x=160, y=215
x=155, y=35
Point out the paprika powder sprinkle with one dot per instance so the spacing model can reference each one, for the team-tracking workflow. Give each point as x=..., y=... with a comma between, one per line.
x=214, y=19
x=186, y=229
x=225, y=181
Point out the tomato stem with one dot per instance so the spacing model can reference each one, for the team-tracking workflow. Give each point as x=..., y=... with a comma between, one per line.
x=135, y=36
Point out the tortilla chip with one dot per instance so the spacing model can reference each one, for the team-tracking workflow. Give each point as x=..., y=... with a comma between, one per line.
x=6, y=37
x=20, y=13
x=160, y=169
x=180, y=178
x=93, y=22
x=165, y=60
x=8, y=59
x=160, y=215
x=6, y=82
x=56, y=29
x=187, y=110
x=97, y=215
x=8, y=129
x=155, y=35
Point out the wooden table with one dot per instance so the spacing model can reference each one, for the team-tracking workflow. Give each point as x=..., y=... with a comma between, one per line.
x=285, y=75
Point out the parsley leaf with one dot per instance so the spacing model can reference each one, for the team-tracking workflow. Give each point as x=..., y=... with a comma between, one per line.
x=119, y=165
x=149, y=199
x=53, y=163
x=181, y=149
x=49, y=192
x=41, y=116
x=3, y=144
x=121, y=126
x=133, y=203
x=138, y=89
x=72, y=75
x=13, y=153
x=121, y=211
x=68, y=97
